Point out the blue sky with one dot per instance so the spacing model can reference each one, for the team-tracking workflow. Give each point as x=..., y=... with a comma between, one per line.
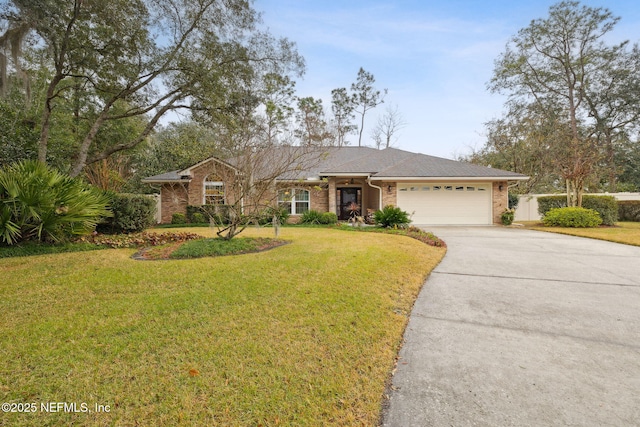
x=434, y=57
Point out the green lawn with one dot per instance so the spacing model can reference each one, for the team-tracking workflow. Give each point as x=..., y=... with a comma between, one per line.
x=303, y=334
x=624, y=232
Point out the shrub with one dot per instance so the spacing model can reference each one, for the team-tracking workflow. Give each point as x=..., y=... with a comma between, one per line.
x=328, y=218
x=198, y=218
x=391, y=216
x=546, y=203
x=514, y=199
x=606, y=206
x=281, y=214
x=132, y=213
x=311, y=217
x=507, y=216
x=629, y=210
x=178, y=218
x=572, y=217
x=218, y=213
x=40, y=203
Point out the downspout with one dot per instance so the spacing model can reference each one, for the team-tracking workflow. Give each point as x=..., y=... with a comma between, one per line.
x=379, y=189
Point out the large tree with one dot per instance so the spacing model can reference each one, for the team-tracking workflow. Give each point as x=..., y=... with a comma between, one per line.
x=342, y=107
x=554, y=63
x=139, y=58
x=365, y=97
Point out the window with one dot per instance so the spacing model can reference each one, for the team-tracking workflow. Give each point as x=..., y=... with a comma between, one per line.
x=471, y=188
x=448, y=188
x=459, y=188
x=213, y=192
x=296, y=201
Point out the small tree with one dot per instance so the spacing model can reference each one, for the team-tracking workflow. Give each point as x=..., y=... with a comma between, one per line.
x=251, y=183
x=387, y=128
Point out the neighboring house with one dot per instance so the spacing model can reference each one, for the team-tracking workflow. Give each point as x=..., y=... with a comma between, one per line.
x=432, y=190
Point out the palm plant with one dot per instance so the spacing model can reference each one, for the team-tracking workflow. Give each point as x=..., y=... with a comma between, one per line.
x=40, y=203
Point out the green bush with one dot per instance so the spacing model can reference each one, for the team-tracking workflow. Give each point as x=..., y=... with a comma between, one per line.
x=546, y=203
x=40, y=203
x=629, y=210
x=311, y=217
x=391, y=216
x=572, y=217
x=266, y=217
x=507, y=216
x=132, y=213
x=328, y=218
x=606, y=206
x=514, y=199
x=198, y=218
x=178, y=218
x=219, y=213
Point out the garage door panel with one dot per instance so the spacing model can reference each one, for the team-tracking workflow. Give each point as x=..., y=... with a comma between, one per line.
x=467, y=203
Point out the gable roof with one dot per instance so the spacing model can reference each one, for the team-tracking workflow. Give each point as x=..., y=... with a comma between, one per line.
x=386, y=164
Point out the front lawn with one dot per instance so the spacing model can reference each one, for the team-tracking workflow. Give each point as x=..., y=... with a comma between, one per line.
x=303, y=334
x=623, y=232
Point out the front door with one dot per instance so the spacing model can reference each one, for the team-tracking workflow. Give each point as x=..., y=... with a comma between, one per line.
x=349, y=203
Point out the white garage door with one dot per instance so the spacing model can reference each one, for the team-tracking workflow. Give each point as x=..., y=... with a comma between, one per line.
x=448, y=203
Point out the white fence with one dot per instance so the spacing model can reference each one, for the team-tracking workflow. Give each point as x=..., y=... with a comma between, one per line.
x=527, y=209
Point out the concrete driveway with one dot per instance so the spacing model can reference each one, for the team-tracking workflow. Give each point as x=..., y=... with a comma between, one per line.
x=522, y=328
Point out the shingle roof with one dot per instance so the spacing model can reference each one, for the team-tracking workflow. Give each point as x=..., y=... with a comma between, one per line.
x=395, y=163
x=172, y=176
x=380, y=164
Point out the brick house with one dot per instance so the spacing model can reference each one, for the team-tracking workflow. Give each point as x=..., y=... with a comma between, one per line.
x=435, y=191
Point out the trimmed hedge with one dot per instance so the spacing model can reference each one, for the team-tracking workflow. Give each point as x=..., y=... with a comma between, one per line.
x=546, y=203
x=606, y=206
x=629, y=210
x=219, y=213
x=328, y=218
x=132, y=213
x=178, y=218
x=572, y=217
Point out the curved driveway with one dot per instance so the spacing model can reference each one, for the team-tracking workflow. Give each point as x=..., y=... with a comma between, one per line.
x=522, y=328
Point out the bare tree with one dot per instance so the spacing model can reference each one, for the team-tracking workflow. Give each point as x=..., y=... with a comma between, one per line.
x=385, y=133
x=252, y=180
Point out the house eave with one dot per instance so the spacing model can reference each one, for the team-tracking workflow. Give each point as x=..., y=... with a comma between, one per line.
x=347, y=174
x=450, y=178
x=164, y=181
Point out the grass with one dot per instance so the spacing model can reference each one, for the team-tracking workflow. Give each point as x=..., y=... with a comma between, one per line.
x=31, y=248
x=305, y=334
x=624, y=232
x=219, y=247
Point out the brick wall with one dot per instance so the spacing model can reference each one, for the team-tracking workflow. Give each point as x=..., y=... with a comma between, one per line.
x=389, y=197
x=174, y=199
x=500, y=200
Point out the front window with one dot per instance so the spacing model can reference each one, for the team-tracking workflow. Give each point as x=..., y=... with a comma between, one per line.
x=295, y=201
x=213, y=192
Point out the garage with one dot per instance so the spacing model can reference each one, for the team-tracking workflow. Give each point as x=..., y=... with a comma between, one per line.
x=446, y=203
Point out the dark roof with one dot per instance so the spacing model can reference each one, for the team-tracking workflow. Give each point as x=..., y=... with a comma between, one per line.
x=173, y=176
x=395, y=163
x=378, y=164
